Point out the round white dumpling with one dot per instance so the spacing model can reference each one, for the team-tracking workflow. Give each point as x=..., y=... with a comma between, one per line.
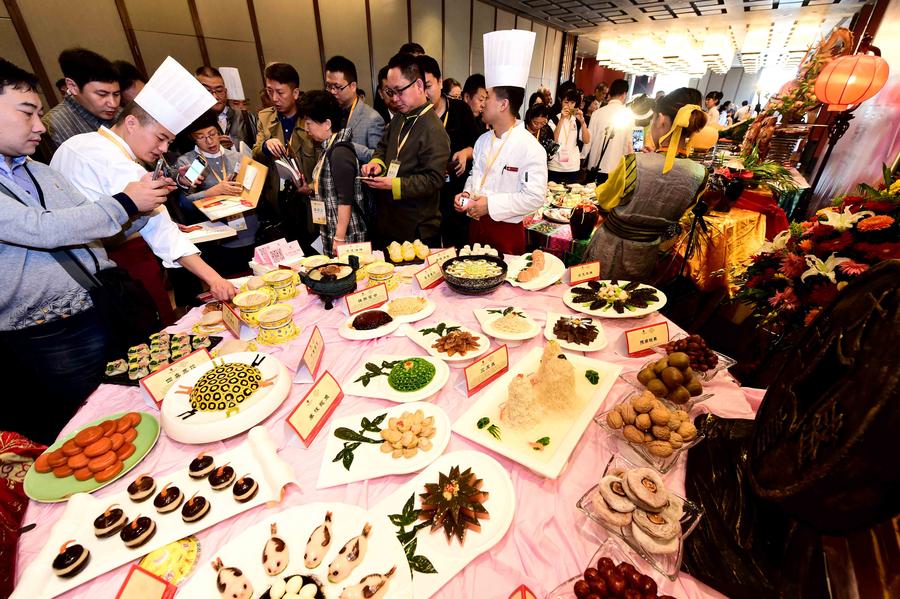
x=308, y=591
x=291, y=596
x=294, y=584
x=278, y=589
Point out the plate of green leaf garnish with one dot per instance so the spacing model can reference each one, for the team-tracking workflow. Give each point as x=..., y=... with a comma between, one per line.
x=398, y=378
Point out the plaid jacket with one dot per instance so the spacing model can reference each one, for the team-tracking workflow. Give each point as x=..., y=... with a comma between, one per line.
x=327, y=192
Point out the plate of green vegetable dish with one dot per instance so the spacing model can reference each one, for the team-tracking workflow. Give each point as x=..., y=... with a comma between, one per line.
x=398, y=378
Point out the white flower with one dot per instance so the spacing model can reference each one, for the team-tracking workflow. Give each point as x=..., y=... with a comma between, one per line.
x=777, y=244
x=825, y=269
x=841, y=221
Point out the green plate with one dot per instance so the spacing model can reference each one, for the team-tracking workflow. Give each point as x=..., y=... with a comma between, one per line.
x=49, y=489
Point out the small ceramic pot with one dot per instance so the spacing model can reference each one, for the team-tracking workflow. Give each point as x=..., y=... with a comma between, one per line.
x=250, y=303
x=276, y=324
x=283, y=281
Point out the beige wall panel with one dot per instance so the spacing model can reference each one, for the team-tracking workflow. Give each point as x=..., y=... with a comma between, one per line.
x=156, y=46
x=241, y=55
x=456, y=40
x=287, y=30
x=389, y=29
x=537, y=55
x=524, y=24
x=225, y=19
x=10, y=46
x=505, y=19
x=482, y=22
x=344, y=33
x=162, y=16
x=4, y=14
x=551, y=66
x=427, y=26
x=52, y=27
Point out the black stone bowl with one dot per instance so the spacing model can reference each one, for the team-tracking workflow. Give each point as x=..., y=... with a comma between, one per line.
x=468, y=286
x=330, y=290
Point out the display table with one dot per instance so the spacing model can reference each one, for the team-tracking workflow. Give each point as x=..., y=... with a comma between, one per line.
x=556, y=238
x=731, y=238
x=549, y=540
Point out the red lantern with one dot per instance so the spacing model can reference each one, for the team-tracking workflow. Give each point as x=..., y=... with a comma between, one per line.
x=851, y=80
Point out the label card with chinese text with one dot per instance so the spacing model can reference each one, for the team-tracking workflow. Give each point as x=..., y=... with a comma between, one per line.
x=141, y=584
x=366, y=299
x=582, y=273
x=430, y=276
x=482, y=372
x=523, y=592
x=354, y=249
x=311, y=359
x=640, y=341
x=156, y=385
x=440, y=256
x=233, y=323
x=308, y=418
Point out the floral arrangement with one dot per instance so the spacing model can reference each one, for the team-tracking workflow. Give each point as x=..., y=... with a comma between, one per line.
x=805, y=267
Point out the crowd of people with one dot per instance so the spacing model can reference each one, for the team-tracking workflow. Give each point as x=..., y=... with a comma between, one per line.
x=98, y=192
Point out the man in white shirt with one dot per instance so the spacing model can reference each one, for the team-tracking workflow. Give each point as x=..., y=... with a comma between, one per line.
x=742, y=113
x=509, y=168
x=104, y=162
x=610, y=129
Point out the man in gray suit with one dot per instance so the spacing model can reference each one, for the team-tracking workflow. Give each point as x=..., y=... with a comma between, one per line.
x=231, y=121
x=365, y=124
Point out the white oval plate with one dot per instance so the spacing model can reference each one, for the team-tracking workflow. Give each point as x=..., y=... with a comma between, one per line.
x=425, y=312
x=368, y=460
x=554, y=269
x=353, y=335
x=379, y=388
x=426, y=341
x=608, y=312
x=294, y=526
x=596, y=345
x=486, y=318
x=449, y=558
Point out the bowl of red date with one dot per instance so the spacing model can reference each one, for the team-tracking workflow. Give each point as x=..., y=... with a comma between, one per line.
x=611, y=573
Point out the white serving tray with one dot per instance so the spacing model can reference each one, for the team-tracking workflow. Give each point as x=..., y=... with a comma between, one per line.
x=379, y=388
x=368, y=460
x=596, y=345
x=564, y=432
x=183, y=424
x=449, y=558
x=609, y=312
x=554, y=269
x=257, y=457
x=294, y=527
x=426, y=341
x=486, y=318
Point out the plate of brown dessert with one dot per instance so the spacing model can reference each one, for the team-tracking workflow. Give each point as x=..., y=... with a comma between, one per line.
x=367, y=325
x=575, y=333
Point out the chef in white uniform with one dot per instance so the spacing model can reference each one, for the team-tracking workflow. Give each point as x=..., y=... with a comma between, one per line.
x=509, y=168
x=108, y=159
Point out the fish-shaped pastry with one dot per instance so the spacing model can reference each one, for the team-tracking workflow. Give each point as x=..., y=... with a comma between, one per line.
x=318, y=543
x=350, y=556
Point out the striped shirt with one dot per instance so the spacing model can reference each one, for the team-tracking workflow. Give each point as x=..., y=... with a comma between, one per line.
x=68, y=119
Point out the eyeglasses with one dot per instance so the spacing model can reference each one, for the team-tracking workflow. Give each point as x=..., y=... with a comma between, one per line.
x=334, y=87
x=455, y=96
x=390, y=93
x=207, y=138
x=216, y=91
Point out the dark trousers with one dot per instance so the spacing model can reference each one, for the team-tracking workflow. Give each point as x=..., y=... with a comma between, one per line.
x=51, y=369
x=454, y=225
x=296, y=219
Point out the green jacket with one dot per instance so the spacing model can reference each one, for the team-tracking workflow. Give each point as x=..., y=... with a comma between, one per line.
x=411, y=210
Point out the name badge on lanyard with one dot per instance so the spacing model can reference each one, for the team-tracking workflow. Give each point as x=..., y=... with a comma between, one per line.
x=393, y=169
x=318, y=212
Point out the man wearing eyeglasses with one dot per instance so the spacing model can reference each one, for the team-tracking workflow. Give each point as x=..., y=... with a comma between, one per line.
x=409, y=163
x=365, y=124
x=231, y=121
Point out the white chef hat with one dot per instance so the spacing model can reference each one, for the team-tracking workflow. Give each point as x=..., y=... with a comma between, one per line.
x=174, y=97
x=507, y=57
x=232, y=78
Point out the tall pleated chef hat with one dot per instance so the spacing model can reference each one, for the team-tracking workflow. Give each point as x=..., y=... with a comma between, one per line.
x=233, y=84
x=174, y=97
x=507, y=57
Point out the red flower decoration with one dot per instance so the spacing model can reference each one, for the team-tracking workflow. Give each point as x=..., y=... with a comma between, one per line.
x=811, y=316
x=823, y=294
x=853, y=268
x=793, y=266
x=879, y=251
x=836, y=244
x=806, y=245
x=881, y=206
x=785, y=300
x=853, y=200
x=820, y=230
x=875, y=223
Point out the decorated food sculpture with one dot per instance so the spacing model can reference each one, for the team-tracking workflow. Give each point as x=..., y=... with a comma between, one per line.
x=534, y=267
x=407, y=435
x=351, y=555
x=244, y=489
x=411, y=375
x=579, y=330
x=71, y=559
x=609, y=295
x=224, y=387
x=142, y=488
x=275, y=555
x=455, y=503
x=373, y=586
x=231, y=582
x=318, y=543
x=138, y=532
x=110, y=522
x=551, y=390
x=195, y=508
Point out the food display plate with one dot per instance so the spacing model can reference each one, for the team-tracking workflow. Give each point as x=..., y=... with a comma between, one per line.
x=186, y=425
x=379, y=388
x=448, y=559
x=48, y=488
x=608, y=311
x=368, y=461
x=257, y=456
x=294, y=526
x=725, y=362
x=612, y=549
x=563, y=431
x=122, y=378
x=425, y=312
x=554, y=269
x=487, y=316
x=666, y=564
x=595, y=345
x=630, y=377
x=347, y=332
x=424, y=335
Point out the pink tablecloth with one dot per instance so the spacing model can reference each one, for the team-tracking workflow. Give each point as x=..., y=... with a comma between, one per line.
x=549, y=540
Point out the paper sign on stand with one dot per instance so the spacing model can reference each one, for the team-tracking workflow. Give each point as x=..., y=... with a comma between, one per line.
x=156, y=385
x=252, y=177
x=523, y=592
x=582, y=273
x=141, y=584
x=641, y=341
x=441, y=256
x=308, y=418
x=235, y=325
x=311, y=359
x=484, y=371
x=366, y=299
x=430, y=276
x=354, y=249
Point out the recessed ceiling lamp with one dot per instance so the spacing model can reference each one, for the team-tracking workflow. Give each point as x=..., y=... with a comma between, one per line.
x=753, y=51
x=717, y=51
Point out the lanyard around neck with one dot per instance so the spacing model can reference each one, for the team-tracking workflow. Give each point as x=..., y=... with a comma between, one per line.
x=402, y=143
x=492, y=159
x=352, y=108
x=111, y=137
x=318, y=171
